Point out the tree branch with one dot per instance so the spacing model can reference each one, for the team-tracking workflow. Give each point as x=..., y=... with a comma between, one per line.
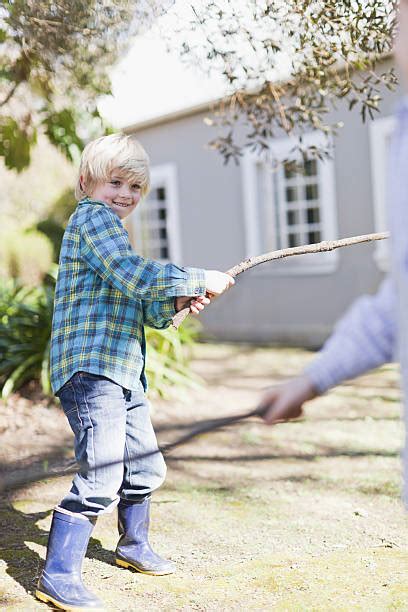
x=320, y=247
x=10, y=94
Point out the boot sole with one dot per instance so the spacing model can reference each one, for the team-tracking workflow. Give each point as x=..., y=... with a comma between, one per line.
x=128, y=565
x=48, y=599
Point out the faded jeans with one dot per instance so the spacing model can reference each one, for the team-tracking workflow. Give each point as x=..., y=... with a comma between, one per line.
x=112, y=429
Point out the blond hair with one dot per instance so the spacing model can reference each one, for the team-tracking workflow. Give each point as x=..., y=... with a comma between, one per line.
x=114, y=152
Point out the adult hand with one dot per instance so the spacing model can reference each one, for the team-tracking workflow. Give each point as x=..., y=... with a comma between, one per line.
x=285, y=401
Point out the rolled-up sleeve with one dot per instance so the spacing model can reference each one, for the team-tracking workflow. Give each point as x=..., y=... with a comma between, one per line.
x=159, y=314
x=106, y=249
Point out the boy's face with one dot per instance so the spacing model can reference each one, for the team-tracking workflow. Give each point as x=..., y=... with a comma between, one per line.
x=120, y=194
x=401, y=43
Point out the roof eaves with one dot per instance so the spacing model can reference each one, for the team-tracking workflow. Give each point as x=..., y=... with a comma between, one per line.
x=190, y=110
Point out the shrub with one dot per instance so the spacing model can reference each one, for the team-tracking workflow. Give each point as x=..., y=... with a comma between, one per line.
x=25, y=321
x=25, y=256
x=168, y=356
x=53, y=225
x=54, y=233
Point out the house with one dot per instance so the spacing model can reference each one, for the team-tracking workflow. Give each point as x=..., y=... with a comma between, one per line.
x=203, y=213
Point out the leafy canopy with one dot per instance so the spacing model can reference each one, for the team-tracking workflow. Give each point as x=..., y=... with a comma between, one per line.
x=287, y=63
x=54, y=61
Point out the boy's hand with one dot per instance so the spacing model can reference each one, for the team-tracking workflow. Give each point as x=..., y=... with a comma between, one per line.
x=285, y=401
x=217, y=282
x=196, y=305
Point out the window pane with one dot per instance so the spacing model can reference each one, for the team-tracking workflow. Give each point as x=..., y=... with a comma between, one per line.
x=291, y=194
x=161, y=193
x=311, y=167
x=289, y=171
x=292, y=217
x=312, y=192
x=152, y=226
x=313, y=237
x=293, y=240
x=312, y=215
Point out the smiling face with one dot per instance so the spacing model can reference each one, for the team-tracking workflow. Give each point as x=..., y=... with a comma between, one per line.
x=120, y=193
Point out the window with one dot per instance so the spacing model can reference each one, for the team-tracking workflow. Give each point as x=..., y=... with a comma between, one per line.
x=381, y=132
x=153, y=227
x=286, y=208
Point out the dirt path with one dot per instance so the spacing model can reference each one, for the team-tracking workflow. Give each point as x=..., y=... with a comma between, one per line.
x=302, y=516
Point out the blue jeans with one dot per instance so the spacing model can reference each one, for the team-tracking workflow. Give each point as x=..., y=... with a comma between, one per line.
x=112, y=429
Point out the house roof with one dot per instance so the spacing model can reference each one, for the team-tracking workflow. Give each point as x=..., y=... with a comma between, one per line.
x=189, y=111
x=177, y=114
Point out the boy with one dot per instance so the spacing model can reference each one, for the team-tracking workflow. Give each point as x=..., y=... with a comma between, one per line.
x=375, y=329
x=105, y=294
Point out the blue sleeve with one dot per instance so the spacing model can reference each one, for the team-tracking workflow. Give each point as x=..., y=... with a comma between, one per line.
x=158, y=314
x=106, y=249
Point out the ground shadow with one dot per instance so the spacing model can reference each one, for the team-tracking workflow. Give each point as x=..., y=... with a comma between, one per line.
x=282, y=456
x=18, y=529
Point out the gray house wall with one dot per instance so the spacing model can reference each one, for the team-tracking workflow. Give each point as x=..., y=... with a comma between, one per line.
x=294, y=309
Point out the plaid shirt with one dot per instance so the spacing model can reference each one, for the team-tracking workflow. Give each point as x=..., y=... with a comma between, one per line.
x=105, y=294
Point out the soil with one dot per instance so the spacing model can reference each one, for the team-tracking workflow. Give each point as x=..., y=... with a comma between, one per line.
x=301, y=516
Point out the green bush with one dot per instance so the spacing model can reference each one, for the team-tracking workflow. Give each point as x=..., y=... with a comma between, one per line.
x=168, y=357
x=25, y=323
x=63, y=208
x=54, y=232
x=25, y=256
x=25, y=328
x=54, y=224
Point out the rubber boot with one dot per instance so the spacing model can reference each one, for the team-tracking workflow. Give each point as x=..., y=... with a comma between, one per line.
x=133, y=549
x=61, y=583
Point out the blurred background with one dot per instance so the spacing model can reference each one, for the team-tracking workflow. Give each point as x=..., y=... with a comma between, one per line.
x=267, y=125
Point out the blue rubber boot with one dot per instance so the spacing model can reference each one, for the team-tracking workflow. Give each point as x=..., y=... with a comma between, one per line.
x=61, y=583
x=133, y=549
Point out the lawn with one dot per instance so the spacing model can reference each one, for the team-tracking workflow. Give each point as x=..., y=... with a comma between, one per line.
x=300, y=516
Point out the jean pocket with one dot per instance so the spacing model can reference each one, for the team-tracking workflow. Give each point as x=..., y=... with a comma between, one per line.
x=69, y=404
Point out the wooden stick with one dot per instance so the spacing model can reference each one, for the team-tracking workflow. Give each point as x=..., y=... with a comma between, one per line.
x=320, y=247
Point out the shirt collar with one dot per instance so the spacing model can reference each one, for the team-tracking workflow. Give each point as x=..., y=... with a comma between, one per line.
x=88, y=200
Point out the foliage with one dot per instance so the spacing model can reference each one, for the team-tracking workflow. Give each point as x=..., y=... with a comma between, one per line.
x=27, y=196
x=288, y=63
x=63, y=207
x=25, y=329
x=54, y=232
x=54, y=224
x=54, y=62
x=168, y=354
x=25, y=319
x=25, y=256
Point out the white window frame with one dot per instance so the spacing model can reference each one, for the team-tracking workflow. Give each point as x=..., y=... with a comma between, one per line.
x=165, y=175
x=380, y=131
x=323, y=263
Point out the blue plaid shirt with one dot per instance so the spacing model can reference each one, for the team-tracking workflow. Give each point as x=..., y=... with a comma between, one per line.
x=104, y=296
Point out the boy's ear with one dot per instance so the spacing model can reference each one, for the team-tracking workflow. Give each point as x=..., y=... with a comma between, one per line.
x=81, y=183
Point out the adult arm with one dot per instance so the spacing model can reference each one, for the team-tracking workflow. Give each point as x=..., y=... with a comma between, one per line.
x=363, y=339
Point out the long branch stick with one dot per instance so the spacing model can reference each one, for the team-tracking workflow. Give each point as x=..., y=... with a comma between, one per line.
x=319, y=247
